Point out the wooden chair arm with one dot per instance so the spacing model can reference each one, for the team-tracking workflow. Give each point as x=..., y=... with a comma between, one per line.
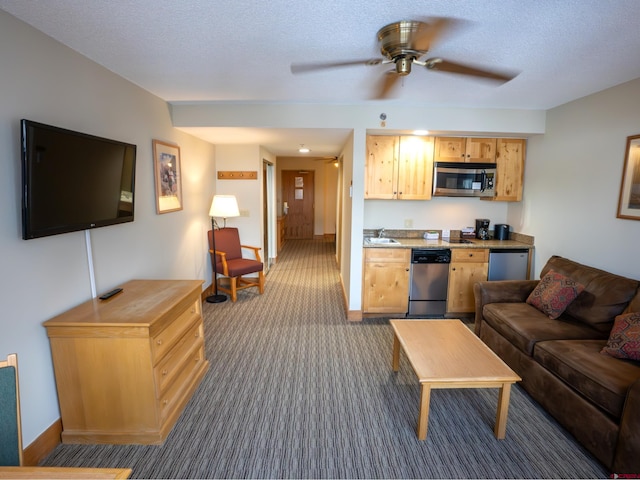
x=256, y=251
x=223, y=258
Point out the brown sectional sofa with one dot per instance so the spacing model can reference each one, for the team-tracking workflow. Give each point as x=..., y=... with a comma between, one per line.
x=596, y=397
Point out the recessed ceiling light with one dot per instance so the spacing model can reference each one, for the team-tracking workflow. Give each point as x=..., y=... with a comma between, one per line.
x=303, y=149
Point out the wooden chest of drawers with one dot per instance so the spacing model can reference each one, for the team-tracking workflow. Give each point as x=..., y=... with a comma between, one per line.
x=125, y=367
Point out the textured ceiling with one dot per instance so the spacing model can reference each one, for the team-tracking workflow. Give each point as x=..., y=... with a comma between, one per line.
x=241, y=50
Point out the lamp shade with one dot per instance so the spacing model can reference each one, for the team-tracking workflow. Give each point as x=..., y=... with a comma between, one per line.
x=224, y=206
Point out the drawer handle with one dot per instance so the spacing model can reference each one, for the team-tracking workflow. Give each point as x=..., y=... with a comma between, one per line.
x=164, y=372
x=164, y=402
x=159, y=341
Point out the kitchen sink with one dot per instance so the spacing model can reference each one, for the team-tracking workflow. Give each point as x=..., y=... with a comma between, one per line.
x=381, y=241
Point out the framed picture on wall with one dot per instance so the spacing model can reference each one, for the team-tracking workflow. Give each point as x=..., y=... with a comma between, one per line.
x=629, y=201
x=166, y=167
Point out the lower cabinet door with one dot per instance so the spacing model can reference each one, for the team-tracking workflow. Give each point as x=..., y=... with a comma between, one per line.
x=462, y=276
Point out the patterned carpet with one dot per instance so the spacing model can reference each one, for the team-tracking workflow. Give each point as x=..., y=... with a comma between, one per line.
x=296, y=391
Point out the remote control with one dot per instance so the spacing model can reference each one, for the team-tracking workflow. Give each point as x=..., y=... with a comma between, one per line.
x=110, y=294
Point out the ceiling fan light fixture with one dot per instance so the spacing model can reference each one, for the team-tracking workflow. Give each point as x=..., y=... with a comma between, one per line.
x=403, y=65
x=303, y=149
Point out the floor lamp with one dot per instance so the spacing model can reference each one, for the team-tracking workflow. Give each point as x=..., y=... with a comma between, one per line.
x=224, y=206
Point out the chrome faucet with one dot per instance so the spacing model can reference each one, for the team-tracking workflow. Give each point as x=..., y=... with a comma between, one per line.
x=380, y=233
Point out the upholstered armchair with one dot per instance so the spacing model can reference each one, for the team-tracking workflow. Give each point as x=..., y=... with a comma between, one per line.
x=231, y=263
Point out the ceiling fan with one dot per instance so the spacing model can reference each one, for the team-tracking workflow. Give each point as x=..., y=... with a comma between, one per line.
x=329, y=159
x=404, y=43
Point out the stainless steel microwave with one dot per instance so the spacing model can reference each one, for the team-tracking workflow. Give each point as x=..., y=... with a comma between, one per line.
x=453, y=179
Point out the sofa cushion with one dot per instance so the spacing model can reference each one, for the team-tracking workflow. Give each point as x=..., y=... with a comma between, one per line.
x=554, y=293
x=605, y=294
x=524, y=325
x=602, y=379
x=624, y=339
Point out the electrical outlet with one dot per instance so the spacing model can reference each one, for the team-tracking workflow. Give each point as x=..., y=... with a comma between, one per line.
x=244, y=213
x=446, y=233
x=408, y=223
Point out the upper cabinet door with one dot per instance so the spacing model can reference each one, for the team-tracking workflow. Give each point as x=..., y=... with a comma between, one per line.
x=480, y=150
x=415, y=168
x=381, y=167
x=450, y=149
x=510, y=168
x=462, y=149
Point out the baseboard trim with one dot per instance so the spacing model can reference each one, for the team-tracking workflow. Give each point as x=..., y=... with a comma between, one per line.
x=43, y=445
x=352, y=315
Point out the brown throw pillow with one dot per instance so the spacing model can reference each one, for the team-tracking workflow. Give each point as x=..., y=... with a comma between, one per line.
x=624, y=339
x=554, y=293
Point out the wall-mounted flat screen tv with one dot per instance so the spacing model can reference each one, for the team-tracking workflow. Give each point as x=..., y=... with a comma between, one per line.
x=73, y=181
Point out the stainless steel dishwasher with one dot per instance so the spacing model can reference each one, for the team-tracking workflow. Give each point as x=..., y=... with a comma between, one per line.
x=429, y=281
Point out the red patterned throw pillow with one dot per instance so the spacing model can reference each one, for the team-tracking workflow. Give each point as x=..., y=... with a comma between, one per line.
x=624, y=339
x=554, y=293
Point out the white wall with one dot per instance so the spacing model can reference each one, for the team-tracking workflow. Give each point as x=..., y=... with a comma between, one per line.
x=572, y=182
x=248, y=192
x=44, y=81
x=437, y=213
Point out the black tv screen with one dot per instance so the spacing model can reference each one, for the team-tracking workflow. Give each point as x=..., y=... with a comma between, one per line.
x=73, y=181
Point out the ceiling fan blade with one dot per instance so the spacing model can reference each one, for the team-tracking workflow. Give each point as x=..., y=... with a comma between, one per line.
x=459, y=68
x=430, y=30
x=313, y=66
x=386, y=85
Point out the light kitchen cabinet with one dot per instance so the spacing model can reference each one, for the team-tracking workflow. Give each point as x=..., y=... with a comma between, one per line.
x=385, y=286
x=467, y=267
x=465, y=149
x=399, y=167
x=126, y=367
x=510, y=169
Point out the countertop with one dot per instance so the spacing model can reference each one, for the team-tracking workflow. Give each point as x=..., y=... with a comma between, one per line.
x=476, y=243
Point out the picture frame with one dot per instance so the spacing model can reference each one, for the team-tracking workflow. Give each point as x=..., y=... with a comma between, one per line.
x=629, y=200
x=168, y=180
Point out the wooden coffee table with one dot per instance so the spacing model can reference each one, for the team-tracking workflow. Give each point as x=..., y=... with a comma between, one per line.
x=446, y=354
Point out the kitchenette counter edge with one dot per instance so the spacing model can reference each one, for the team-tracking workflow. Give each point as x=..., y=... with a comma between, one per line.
x=440, y=243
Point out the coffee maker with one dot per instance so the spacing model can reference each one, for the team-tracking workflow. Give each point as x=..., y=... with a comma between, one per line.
x=482, y=228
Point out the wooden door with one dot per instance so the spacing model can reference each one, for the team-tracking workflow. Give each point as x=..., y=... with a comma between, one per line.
x=298, y=193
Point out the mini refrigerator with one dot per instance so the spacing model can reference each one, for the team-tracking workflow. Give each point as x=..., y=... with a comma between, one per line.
x=508, y=264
